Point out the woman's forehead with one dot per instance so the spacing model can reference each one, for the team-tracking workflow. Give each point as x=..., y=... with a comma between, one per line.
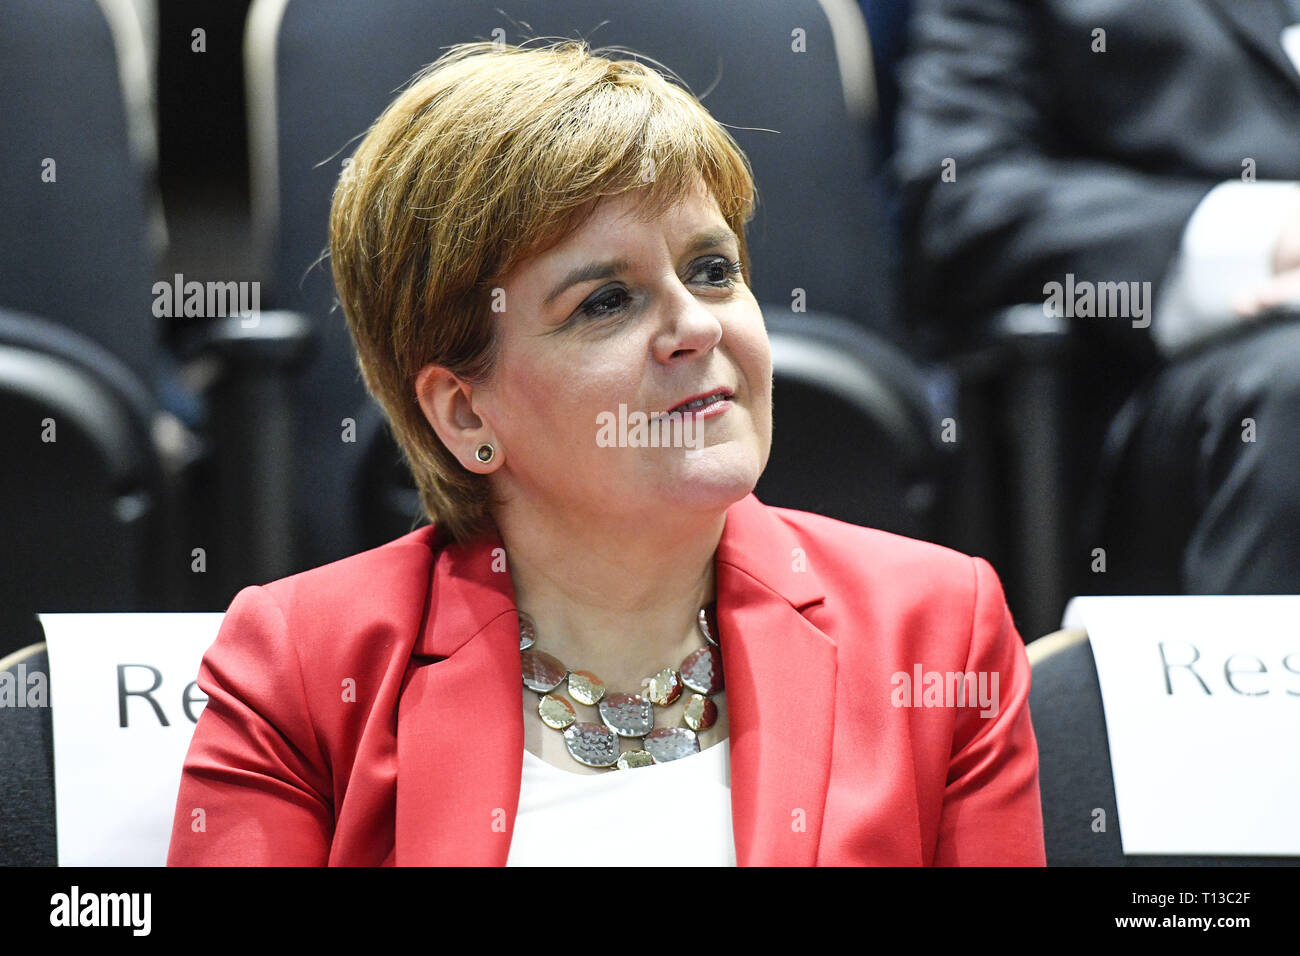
x=622, y=224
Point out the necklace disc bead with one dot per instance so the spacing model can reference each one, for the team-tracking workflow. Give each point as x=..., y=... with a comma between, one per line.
x=671, y=743
x=664, y=688
x=628, y=715
x=594, y=745
x=586, y=688
x=708, y=626
x=634, y=758
x=700, y=712
x=542, y=672
x=527, y=632
x=702, y=670
x=556, y=712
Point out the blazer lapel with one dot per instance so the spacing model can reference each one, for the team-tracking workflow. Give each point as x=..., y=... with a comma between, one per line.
x=780, y=686
x=458, y=792
x=460, y=730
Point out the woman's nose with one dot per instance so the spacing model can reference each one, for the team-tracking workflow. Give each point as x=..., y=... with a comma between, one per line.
x=689, y=325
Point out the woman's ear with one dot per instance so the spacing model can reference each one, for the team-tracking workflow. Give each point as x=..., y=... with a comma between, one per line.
x=445, y=401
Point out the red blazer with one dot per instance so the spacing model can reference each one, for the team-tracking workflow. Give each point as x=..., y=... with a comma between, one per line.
x=369, y=712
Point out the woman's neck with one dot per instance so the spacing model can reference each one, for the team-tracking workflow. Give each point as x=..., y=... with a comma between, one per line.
x=618, y=601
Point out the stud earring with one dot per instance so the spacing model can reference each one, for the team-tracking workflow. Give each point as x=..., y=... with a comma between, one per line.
x=485, y=453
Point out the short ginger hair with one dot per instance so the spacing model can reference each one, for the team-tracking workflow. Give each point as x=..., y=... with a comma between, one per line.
x=490, y=155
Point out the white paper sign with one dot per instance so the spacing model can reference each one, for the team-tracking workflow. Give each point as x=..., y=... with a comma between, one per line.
x=124, y=707
x=1202, y=703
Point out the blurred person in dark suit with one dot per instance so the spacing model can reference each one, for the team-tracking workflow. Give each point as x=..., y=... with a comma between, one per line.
x=1080, y=153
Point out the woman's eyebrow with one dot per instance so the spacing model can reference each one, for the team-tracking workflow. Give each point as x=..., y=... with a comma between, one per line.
x=718, y=236
x=611, y=267
x=584, y=273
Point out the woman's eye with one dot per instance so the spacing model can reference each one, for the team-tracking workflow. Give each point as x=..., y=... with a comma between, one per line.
x=612, y=302
x=731, y=270
x=603, y=304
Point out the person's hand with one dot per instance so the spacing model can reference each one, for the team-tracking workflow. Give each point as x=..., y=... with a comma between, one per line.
x=1281, y=290
x=1286, y=253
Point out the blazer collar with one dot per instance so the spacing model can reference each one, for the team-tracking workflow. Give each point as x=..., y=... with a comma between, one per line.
x=458, y=792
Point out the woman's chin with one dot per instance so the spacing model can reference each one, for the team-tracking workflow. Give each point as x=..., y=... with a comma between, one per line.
x=705, y=486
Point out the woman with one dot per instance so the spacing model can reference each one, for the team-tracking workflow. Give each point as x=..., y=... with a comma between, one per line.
x=542, y=260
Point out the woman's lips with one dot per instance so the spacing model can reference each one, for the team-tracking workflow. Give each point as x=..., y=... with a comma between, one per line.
x=714, y=407
x=701, y=397
x=712, y=410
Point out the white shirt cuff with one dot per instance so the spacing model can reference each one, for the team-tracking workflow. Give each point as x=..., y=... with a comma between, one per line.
x=1227, y=249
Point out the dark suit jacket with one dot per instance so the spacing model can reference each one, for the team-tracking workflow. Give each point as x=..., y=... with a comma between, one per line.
x=1069, y=160
x=369, y=712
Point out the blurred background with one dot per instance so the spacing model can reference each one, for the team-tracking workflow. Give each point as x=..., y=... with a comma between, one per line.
x=924, y=169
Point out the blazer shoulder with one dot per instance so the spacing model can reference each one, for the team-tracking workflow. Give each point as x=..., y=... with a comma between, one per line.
x=363, y=565
x=333, y=603
x=940, y=601
x=875, y=551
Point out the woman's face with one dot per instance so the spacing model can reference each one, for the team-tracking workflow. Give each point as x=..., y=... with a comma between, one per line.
x=583, y=333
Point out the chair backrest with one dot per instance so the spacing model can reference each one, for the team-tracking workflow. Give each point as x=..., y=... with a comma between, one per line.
x=384, y=493
x=794, y=86
x=77, y=144
x=27, y=835
x=1074, y=770
x=854, y=435
x=83, y=498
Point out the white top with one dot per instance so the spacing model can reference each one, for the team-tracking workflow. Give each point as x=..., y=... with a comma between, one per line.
x=668, y=814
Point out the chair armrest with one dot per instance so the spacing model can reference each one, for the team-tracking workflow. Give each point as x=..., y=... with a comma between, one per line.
x=1012, y=380
x=270, y=340
x=1014, y=337
x=253, y=414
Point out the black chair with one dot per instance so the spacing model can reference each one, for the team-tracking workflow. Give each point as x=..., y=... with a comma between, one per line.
x=81, y=245
x=80, y=249
x=1011, y=503
x=27, y=832
x=384, y=493
x=86, y=498
x=1074, y=771
x=855, y=432
x=244, y=493
x=1039, y=440
x=319, y=73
